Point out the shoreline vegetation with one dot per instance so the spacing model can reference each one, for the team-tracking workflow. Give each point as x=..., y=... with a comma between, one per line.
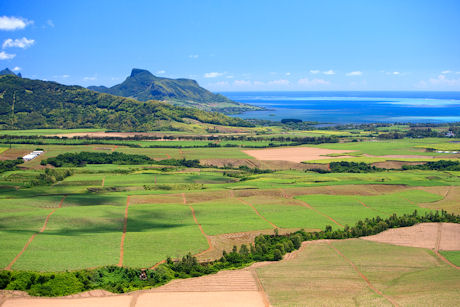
x=265, y=248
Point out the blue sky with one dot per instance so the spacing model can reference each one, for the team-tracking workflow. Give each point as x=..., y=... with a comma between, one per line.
x=238, y=45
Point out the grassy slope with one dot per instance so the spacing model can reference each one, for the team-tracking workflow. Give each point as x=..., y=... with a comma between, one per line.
x=318, y=276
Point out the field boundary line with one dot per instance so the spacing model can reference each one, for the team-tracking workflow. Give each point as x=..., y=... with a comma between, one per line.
x=369, y=284
x=307, y=205
x=123, y=235
x=257, y=212
x=436, y=248
x=10, y=265
x=199, y=226
x=362, y=203
x=261, y=289
x=202, y=231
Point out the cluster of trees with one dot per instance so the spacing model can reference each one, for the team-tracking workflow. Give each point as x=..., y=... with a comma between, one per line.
x=43, y=104
x=265, y=247
x=419, y=132
x=10, y=165
x=84, y=157
x=51, y=175
x=441, y=165
x=80, y=159
x=353, y=167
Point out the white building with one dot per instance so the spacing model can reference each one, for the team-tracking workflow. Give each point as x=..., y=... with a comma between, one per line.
x=32, y=155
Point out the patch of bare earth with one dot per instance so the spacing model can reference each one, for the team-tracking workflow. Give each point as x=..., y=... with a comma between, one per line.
x=14, y=153
x=295, y=154
x=227, y=241
x=267, y=164
x=423, y=235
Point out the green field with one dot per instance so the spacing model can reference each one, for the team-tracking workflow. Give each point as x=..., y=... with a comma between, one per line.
x=231, y=205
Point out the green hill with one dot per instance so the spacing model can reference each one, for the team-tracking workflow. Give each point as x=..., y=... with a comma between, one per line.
x=143, y=86
x=27, y=104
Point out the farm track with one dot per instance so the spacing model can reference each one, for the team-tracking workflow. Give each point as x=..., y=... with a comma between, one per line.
x=123, y=235
x=201, y=229
x=317, y=211
x=369, y=284
x=257, y=212
x=436, y=248
x=10, y=265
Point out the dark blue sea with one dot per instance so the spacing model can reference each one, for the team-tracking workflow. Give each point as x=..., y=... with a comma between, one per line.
x=353, y=107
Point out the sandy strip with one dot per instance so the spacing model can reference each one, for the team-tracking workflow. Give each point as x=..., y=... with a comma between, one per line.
x=113, y=301
x=295, y=154
x=211, y=299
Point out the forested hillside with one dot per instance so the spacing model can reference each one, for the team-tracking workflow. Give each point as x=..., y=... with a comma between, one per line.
x=26, y=104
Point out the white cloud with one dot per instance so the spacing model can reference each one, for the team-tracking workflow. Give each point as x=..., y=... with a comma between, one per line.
x=313, y=82
x=18, y=42
x=213, y=74
x=61, y=76
x=279, y=82
x=160, y=72
x=17, y=68
x=354, y=73
x=13, y=23
x=442, y=80
x=329, y=72
x=229, y=77
x=89, y=78
x=6, y=56
x=50, y=23
x=242, y=83
x=288, y=74
x=193, y=56
x=314, y=72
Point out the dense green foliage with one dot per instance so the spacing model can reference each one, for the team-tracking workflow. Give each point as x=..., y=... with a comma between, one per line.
x=352, y=167
x=51, y=175
x=265, y=248
x=26, y=104
x=82, y=158
x=9, y=165
x=143, y=86
x=441, y=165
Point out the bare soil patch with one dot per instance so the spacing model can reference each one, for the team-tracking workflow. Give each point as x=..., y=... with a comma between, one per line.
x=267, y=164
x=13, y=153
x=421, y=235
x=295, y=154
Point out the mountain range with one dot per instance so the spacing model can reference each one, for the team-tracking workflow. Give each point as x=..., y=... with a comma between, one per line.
x=142, y=85
x=29, y=104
